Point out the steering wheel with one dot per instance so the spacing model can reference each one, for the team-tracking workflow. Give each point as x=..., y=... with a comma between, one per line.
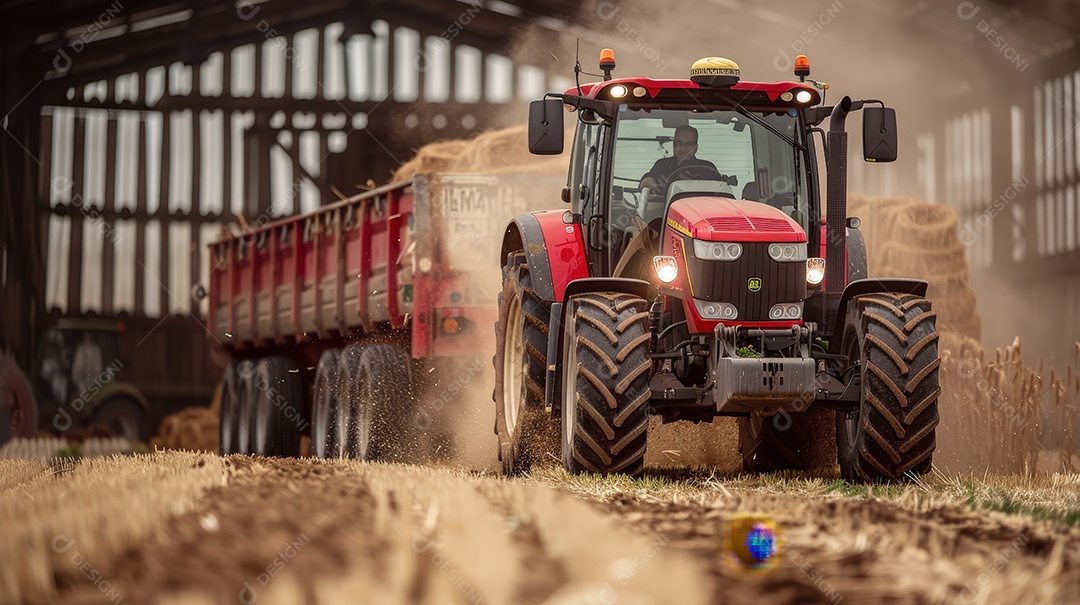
x=729, y=179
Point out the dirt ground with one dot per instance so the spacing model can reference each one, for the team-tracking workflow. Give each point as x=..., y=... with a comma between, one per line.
x=179, y=528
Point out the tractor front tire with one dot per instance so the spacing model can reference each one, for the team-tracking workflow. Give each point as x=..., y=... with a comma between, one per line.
x=606, y=373
x=526, y=430
x=122, y=416
x=893, y=339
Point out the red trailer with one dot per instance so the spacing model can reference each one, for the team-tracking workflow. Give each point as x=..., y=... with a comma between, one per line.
x=330, y=320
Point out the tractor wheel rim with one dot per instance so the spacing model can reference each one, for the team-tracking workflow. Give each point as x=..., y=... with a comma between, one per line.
x=514, y=366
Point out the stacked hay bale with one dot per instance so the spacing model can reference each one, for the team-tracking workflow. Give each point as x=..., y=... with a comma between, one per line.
x=911, y=238
x=194, y=429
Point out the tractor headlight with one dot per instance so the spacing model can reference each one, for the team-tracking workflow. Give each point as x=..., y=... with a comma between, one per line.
x=716, y=310
x=717, y=250
x=785, y=311
x=815, y=270
x=787, y=252
x=666, y=268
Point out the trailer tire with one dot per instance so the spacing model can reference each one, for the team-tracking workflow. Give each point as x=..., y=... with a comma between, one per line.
x=379, y=402
x=245, y=406
x=327, y=436
x=891, y=436
x=606, y=373
x=526, y=431
x=229, y=425
x=276, y=393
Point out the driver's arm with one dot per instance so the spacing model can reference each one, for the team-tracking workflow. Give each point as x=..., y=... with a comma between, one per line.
x=649, y=180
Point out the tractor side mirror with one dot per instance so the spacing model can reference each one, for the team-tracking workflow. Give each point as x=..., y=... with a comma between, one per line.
x=879, y=134
x=546, y=127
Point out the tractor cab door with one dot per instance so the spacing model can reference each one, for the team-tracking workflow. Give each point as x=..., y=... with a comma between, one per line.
x=589, y=191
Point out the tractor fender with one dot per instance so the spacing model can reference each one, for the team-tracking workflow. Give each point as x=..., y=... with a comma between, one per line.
x=557, y=323
x=553, y=248
x=854, y=251
x=856, y=255
x=78, y=411
x=113, y=389
x=861, y=287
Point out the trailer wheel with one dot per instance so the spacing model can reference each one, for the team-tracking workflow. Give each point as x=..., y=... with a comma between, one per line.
x=123, y=417
x=783, y=441
x=380, y=401
x=229, y=427
x=526, y=430
x=326, y=407
x=276, y=395
x=892, y=344
x=606, y=373
x=18, y=408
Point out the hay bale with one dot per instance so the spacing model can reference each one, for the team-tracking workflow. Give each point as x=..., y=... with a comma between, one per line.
x=503, y=151
x=193, y=429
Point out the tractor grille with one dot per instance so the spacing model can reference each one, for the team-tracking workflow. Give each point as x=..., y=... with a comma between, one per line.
x=728, y=281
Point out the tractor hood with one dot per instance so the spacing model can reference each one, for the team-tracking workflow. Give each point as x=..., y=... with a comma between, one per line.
x=720, y=219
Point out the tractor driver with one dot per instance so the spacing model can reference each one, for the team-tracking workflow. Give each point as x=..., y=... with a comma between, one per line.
x=683, y=165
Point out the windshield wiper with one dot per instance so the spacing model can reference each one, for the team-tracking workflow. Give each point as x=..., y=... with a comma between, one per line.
x=770, y=127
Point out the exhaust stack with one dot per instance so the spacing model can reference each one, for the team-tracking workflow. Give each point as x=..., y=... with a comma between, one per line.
x=836, y=198
x=836, y=206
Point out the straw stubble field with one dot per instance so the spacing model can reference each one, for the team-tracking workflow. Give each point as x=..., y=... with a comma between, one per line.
x=191, y=528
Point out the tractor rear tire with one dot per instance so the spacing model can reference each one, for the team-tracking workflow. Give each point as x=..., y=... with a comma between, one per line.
x=606, y=373
x=18, y=408
x=890, y=437
x=326, y=404
x=277, y=400
x=783, y=441
x=229, y=428
x=526, y=430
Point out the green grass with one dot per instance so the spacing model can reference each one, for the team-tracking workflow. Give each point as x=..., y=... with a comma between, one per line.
x=1005, y=503
x=857, y=490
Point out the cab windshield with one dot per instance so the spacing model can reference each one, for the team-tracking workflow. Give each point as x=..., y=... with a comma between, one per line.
x=726, y=152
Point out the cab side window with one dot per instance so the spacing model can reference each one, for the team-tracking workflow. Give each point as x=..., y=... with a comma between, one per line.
x=583, y=172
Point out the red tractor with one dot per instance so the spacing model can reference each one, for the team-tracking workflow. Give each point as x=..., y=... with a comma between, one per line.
x=698, y=274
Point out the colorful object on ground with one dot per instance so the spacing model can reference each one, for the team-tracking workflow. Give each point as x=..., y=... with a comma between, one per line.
x=751, y=540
